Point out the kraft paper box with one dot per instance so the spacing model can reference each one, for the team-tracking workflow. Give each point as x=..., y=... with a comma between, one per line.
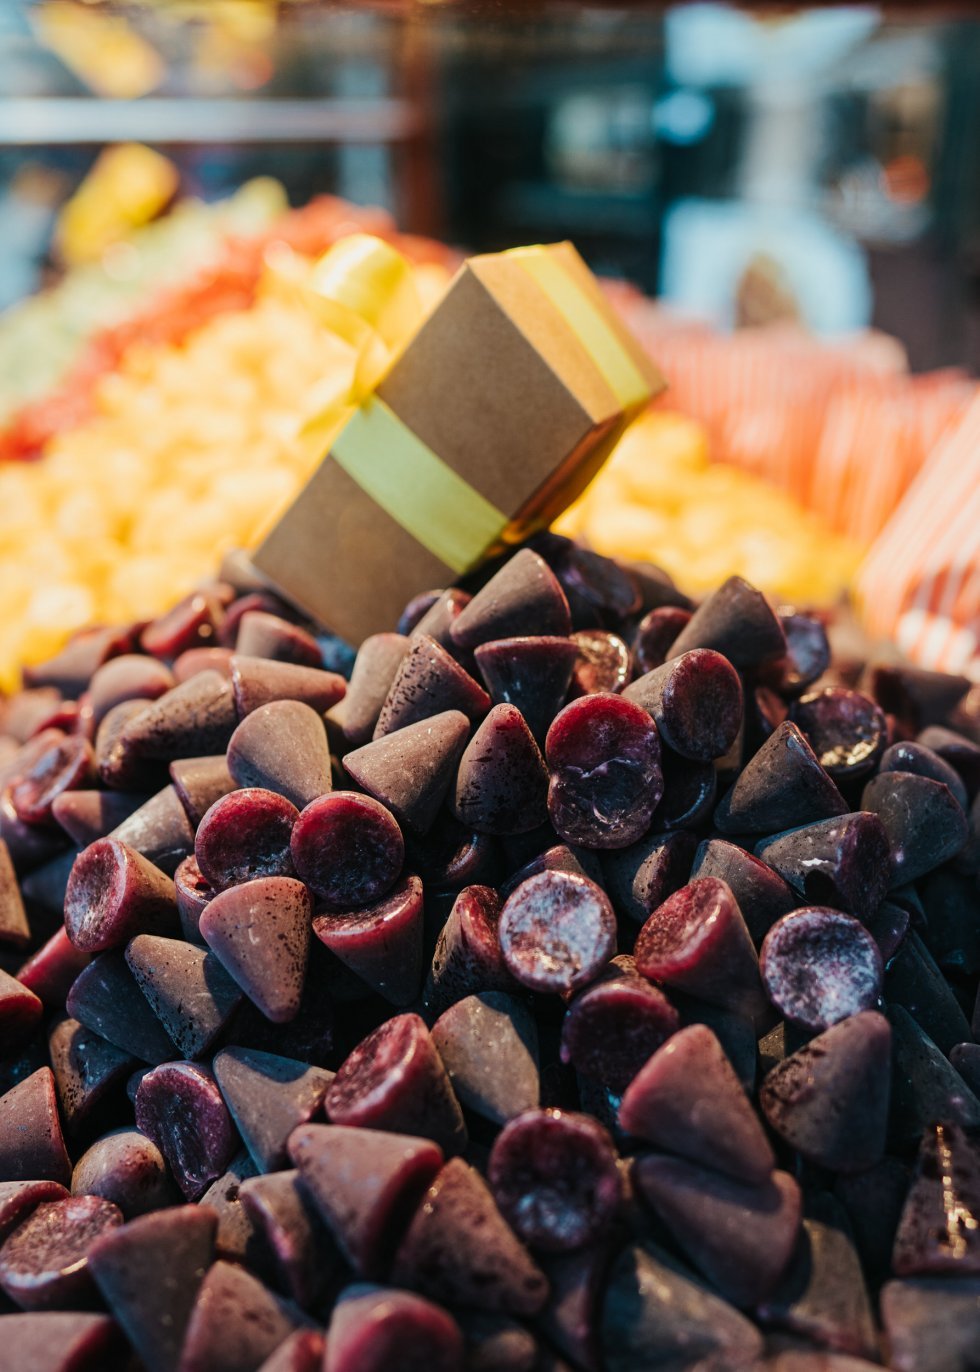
x=495, y=416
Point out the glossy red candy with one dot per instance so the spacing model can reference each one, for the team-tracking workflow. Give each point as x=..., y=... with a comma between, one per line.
x=348, y=849
x=557, y=932
x=245, y=835
x=113, y=894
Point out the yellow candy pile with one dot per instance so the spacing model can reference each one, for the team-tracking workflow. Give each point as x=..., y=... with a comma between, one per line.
x=660, y=499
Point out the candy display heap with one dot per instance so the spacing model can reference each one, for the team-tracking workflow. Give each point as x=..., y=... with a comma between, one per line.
x=574, y=979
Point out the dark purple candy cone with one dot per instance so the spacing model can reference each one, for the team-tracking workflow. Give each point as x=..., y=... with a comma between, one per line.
x=199, y=782
x=926, y=1088
x=656, y=632
x=282, y=747
x=468, y=956
x=641, y=877
x=194, y=719
x=395, y=1080
x=697, y=941
x=819, y=966
x=106, y=997
x=829, y=1100
x=375, y=1329
x=256, y=681
x=88, y=815
x=613, y=1026
x=555, y=1176
x=458, y=1249
x=18, y=1199
x=688, y=1100
x=115, y=893
x=382, y=943
x=696, y=701
x=557, y=932
x=846, y=730
x=375, y=667
x=348, y=849
x=187, y=988
x=236, y=1323
x=366, y=1185
x=261, y=634
x=246, y=835
x=924, y=822
x=237, y=1239
x=603, y=662
x=736, y=621
x=149, y=1273
x=411, y=770
x=50, y=971
x=179, y=1106
x=489, y=1046
x=429, y=682
x=127, y=1168
x=762, y=895
x=915, y=696
x=439, y=617
x=530, y=673
x=269, y=1097
x=655, y=1316
x=127, y=677
x=306, y=1258
x=940, y=1226
x=783, y=784
x=32, y=1147
x=915, y=982
x=260, y=933
x=740, y=1236
x=159, y=830
x=524, y=597
x=502, y=783
x=841, y=862
x=44, y=1262
x=59, y=1341
x=957, y=751
x=86, y=1068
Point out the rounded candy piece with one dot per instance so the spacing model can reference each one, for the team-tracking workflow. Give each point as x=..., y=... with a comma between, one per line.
x=348, y=849
x=245, y=835
x=819, y=966
x=557, y=931
x=44, y=1262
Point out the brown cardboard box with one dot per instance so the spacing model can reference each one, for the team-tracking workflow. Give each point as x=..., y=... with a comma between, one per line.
x=518, y=383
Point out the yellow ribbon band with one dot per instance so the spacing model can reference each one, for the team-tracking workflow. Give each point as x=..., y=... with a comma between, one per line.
x=416, y=488
x=588, y=323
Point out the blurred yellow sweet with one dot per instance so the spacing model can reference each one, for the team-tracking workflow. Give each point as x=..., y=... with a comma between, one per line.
x=661, y=499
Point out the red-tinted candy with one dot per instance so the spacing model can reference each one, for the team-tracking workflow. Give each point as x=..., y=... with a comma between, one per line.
x=820, y=966
x=246, y=835
x=557, y=932
x=348, y=849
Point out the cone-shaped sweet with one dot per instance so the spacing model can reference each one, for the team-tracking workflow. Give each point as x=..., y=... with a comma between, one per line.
x=829, y=1100
x=306, y=1258
x=32, y=1146
x=924, y=822
x=697, y=941
x=258, y=680
x=614, y=1025
x=840, y=862
x=59, y=1341
x=695, y=701
x=382, y=943
x=106, y=997
x=915, y=982
x=19, y=1198
x=762, y=895
x=502, y=784
x=282, y=747
x=956, y=750
x=269, y=1097
x=236, y=1323
x=468, y=956
x=187, y=988
x=653, y=1316
x=301, y=1352
x=115, y=893
x=261, y=634
x=940, y=1226
x=458, y=1249
x=85, y=1068
x=127, y=1168
x=14, y=928
x=823, y=1295
x=916, y=696
x=375, y=667
x=569, y=1320
x=374, y=1329
x=410, y=770
x=195, y=719
x=20, y=1013
x=260, y=932
x=688, y=1100
x=365, y=1185
x=782, y=785
x=438, y=619
x=238, y=1240
x=524, y=597
x=46, y=886
x=179, y=1106
x=736, y=621
x=199, y=782
x=428, y=682
x=489, y=1045
x=642, y=876
x=926, y=1088
x=88, y=815
x=131, y=676
x=50, y=972
x=159, y=830
x=149, y=1273
x=740, y=1236
x=530, y=673
x=71, y=669
x=932, y=1324
x=395, y=1080
x=44, y=1262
